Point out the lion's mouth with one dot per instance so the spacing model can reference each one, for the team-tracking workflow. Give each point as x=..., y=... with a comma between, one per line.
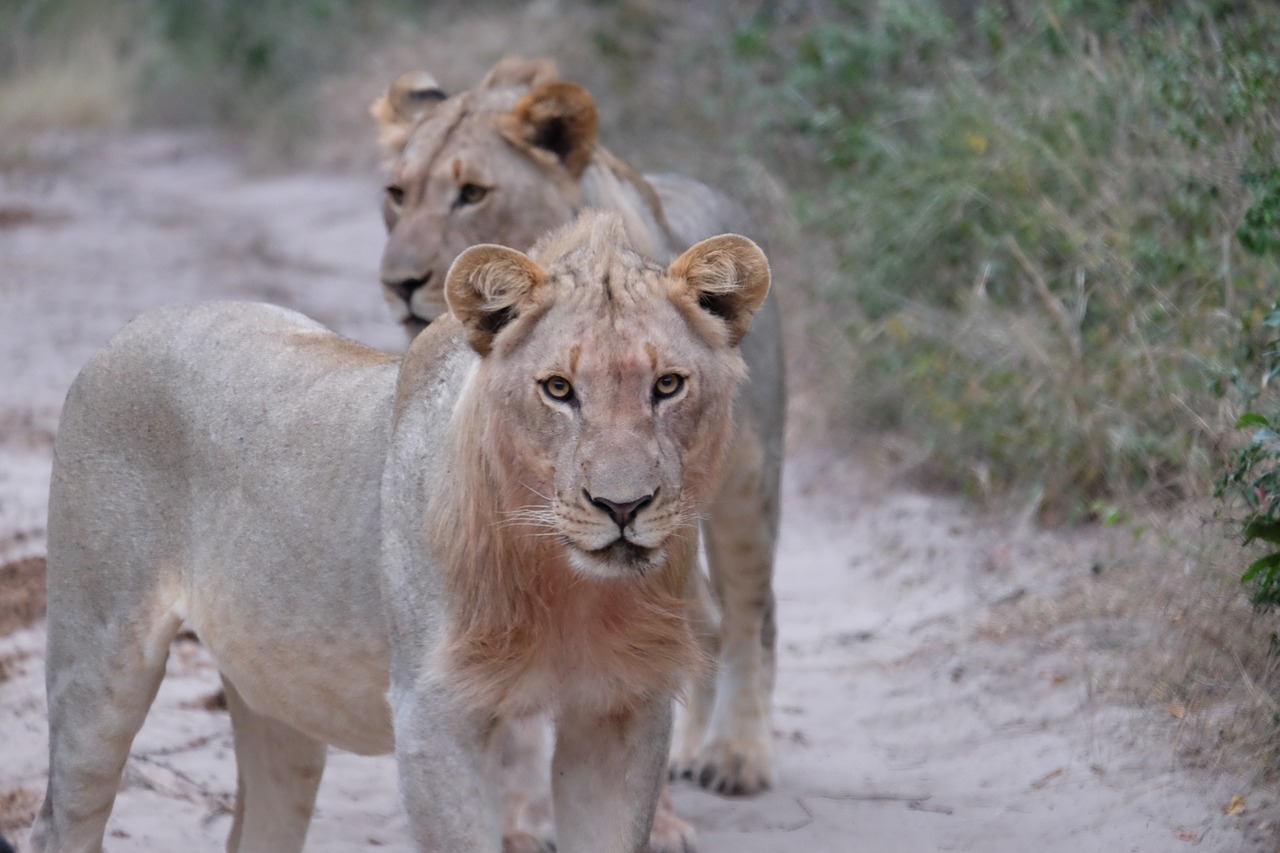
x=619, y=558
x=628, y=554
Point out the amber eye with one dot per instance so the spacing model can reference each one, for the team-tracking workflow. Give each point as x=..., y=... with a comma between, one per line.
x=395, y=195
x=668, y=385
x=471, y=193
x=558, y=388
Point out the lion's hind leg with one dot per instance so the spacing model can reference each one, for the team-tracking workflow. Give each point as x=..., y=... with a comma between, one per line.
x=105, y=659
x=740, y=533
x=278, y=771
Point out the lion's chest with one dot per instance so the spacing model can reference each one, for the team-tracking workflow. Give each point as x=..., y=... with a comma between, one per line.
x=580, y=644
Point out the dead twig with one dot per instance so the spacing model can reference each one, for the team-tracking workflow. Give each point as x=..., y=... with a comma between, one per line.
x=1070, y=333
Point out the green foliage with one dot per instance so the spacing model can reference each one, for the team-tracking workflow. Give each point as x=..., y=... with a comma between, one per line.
x=1036, y=207
x=1250, y=481
x=1260, y=232
x=1231, y=104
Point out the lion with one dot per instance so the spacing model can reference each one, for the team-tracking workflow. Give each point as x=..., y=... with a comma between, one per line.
x=518, y=156
x=403, y=554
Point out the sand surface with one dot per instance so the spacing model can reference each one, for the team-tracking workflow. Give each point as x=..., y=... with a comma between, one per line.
x=919, y=705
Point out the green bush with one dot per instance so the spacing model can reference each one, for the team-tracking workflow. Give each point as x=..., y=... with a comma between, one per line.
x=1251, y=478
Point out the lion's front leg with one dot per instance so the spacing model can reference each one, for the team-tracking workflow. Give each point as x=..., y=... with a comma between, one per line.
x=693, y=713
x=526, y=784
x=606, y=774
x=447, y=763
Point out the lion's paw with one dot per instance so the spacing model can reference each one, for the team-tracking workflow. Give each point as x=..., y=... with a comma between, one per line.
x=670, y=834
x=730, y=769
x=683, y=765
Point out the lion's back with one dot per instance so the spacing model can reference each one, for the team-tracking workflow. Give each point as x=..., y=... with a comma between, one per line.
x=695, y=211
x=222, y=462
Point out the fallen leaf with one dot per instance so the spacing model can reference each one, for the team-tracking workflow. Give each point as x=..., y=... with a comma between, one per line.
x=1187, y=835
x=1235, y=807
x=1176, y=709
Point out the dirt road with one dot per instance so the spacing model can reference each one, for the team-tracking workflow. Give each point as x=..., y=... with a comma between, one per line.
x=929, y=696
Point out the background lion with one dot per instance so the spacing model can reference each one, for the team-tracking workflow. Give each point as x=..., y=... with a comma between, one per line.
x=517, y=156
x=526, y=478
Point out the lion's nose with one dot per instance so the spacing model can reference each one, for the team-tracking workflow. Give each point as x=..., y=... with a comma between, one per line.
x=406, y=287
x=622, y=512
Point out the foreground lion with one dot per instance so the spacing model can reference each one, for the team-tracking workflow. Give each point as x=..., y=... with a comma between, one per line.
x=512, y=159
x=383, y=553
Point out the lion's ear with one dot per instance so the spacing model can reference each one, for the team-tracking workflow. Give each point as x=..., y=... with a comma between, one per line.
x=727, y=277
x=558, y=117
x=410, y=99
x=487, y=287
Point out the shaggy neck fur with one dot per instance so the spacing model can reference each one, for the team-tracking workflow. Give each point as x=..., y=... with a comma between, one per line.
x=525, y=632
x=611, y=184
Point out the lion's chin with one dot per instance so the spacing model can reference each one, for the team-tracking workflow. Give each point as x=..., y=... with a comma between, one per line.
x=413, y=325
x=621, y=559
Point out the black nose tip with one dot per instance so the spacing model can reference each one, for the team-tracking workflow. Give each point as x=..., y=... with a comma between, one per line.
x=622, y=512
x=406, y=287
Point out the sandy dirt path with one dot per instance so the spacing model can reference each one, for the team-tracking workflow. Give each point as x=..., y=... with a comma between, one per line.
x=919, y=707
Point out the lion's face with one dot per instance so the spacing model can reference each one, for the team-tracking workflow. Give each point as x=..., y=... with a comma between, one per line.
x=614, y=416
x=496, y=164
x=616, y=380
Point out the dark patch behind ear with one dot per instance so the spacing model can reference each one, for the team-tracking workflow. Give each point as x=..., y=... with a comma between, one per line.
x=555, y=135
x=486, y=288
x=716, y=304
x=408, y=101
x=559, y=117
x=426, y=97
x=495, y=321
x=728, y=277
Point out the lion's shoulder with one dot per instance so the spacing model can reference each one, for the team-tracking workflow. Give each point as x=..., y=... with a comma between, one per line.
x=695, y=211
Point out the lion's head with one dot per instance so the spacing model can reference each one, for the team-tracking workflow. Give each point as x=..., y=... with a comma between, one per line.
x=501, y=163
x=605, y=384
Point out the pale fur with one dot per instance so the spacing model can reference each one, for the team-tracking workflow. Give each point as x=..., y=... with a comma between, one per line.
x=489, y=136
x=362, y=543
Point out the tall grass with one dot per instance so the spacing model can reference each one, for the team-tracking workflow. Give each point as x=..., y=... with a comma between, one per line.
x=64, y=67
x=1036, y=207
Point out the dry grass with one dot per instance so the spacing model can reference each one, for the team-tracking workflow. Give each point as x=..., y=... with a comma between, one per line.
x=1153, y=613
x=67, y=67
x=1221, y=662
x=88, y=88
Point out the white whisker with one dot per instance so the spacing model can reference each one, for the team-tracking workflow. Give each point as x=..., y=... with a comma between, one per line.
x=532, y=515
x=550, y=500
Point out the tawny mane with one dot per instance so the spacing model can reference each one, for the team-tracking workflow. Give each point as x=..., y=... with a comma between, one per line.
x=524, y=627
